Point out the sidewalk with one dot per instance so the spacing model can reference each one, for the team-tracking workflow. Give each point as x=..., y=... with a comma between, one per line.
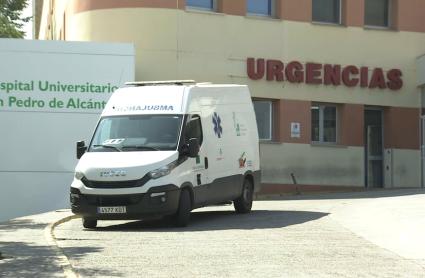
x=26, y=250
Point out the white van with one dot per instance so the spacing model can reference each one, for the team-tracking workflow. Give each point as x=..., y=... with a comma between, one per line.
x=166, y=148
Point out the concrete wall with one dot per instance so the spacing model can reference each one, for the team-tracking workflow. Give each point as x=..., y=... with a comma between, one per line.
x=330, y=165
x=406, y=168
x=37, y=144
x=314, y=165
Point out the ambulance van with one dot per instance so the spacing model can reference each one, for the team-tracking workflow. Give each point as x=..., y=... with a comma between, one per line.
x=166, y=148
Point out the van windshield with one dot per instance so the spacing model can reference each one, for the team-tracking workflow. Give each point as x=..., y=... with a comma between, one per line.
x=137, y=133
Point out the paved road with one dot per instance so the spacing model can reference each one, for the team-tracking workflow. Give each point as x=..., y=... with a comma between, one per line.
x=339, y=235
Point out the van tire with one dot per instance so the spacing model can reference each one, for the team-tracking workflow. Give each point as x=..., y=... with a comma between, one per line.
x=243, y=204
x=89, y=223
x=182, y=217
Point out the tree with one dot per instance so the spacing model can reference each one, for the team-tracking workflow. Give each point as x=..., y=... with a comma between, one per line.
x=11, y=18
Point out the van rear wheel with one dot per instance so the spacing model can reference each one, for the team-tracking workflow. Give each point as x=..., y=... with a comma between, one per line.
x=89, y=223
x=182, y=217
x=243, y=204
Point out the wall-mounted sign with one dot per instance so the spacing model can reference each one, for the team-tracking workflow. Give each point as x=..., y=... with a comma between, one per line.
x=51, y=95
x=295, y=130
x=43, y=95
x=326, y=74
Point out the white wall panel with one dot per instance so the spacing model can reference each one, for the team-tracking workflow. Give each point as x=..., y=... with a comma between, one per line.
x=37, y=144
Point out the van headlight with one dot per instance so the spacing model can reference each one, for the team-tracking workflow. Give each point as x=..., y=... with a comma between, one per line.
x=163, y=171
x=79, y=175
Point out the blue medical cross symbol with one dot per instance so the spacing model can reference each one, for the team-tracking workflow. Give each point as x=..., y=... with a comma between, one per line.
x=218, y=130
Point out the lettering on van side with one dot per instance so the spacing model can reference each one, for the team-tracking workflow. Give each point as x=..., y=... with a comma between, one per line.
x=144, y=108
x=240, y=128
x=220, y=155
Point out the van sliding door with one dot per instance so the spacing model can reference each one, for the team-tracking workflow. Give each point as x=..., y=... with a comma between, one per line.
x=199, y=165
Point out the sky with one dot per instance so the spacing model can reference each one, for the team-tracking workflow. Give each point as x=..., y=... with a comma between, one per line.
x=28, y=26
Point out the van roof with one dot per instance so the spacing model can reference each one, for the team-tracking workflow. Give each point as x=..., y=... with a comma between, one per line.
x=177, y=83
x=163, y=82
x=172, y=99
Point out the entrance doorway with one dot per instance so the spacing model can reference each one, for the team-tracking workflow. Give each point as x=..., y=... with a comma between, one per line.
x=374, y=149
x=423, y=149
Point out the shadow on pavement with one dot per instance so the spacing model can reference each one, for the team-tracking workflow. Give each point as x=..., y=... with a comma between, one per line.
x=24, y=260
x=222, y=220
x=27, y=260
x=17, y=224
x=366, y=194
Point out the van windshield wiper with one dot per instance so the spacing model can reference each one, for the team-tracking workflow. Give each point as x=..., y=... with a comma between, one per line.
x=108, y=147
x=140, y=147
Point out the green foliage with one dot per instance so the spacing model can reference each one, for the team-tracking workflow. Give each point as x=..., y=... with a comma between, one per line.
x=11, y=19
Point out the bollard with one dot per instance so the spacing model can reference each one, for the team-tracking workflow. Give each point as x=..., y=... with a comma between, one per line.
x=294, y=181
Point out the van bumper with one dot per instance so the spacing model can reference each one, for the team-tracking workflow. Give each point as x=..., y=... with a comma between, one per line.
x=157, y=202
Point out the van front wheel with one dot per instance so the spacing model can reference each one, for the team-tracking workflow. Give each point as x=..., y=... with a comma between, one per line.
x=182, y=216
x=243, y=204
x=89, y=223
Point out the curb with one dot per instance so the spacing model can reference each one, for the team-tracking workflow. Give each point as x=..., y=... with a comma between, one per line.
x=60, y=255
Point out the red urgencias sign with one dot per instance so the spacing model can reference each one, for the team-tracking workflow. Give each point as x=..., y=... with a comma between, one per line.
x=326, y=74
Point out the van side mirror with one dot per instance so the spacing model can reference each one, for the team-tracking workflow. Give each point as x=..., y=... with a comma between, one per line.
x=81, y=149
x=193, y=147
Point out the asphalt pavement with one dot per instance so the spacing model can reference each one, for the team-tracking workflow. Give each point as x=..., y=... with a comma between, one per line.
x=367, y=234
x=362, y=234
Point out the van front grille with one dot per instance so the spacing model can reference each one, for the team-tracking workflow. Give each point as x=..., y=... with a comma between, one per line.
x=115, y=200
x=115, y=184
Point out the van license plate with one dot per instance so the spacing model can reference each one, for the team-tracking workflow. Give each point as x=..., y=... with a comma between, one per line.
x=111, y=209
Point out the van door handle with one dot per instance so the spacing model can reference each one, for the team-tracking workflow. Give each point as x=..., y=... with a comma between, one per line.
x=206, y=162
x=198, y=179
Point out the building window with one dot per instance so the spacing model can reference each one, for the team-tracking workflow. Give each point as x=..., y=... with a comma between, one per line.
x=260, y=7
x=327, y=11
x=263, y=113
x=323, y=123
x=206, y=5
x=377, y=13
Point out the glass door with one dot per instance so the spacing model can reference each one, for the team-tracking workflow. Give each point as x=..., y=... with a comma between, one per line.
x=374, y=148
